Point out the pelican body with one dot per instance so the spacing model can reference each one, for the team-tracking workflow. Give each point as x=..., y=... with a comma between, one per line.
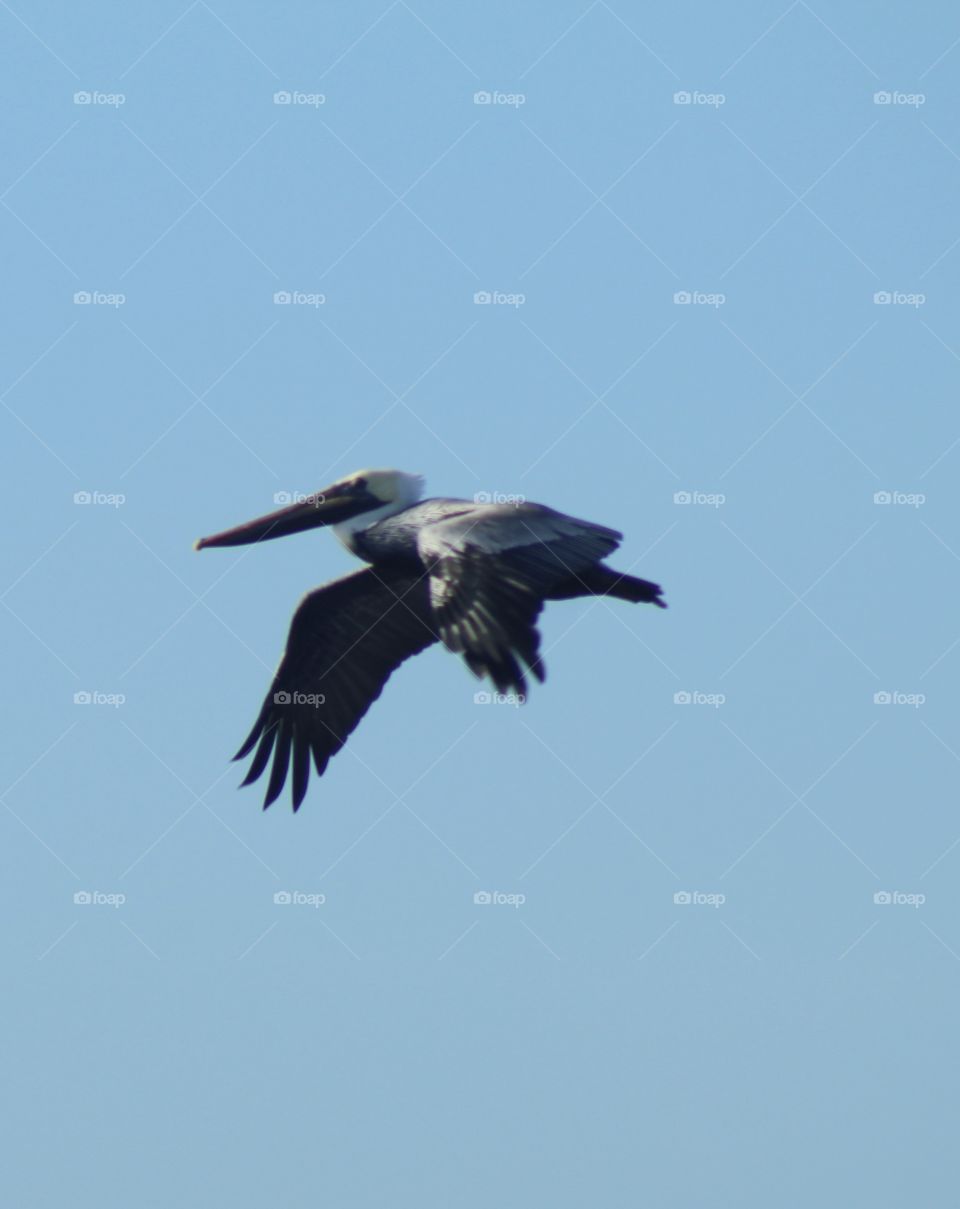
x=473, y=576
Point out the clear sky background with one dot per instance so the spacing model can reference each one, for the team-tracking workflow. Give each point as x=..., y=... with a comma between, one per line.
x=781, y=453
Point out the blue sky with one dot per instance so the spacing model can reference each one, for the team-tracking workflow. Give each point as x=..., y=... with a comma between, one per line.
x=686, y=270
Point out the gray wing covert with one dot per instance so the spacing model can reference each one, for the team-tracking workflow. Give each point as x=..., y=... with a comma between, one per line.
x=490, y=570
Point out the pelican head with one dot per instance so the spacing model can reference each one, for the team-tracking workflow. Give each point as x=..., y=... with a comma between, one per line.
x=353, y=502
x=388, y=486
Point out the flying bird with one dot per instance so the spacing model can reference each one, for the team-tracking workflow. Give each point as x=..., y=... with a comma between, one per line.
x=473, y=576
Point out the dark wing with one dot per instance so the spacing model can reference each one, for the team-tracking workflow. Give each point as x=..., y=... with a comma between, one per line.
x=490, y=570
x=345, y=640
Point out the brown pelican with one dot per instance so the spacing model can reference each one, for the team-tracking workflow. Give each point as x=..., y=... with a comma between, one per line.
x=473, y=576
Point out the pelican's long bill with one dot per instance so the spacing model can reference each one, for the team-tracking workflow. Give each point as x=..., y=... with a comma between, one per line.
x=336, y=504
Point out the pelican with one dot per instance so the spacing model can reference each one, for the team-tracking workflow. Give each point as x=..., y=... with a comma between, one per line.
x=471, y=575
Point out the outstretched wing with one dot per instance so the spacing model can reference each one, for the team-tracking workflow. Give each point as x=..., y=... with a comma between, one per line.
x=490, y=569
x=345, y=640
